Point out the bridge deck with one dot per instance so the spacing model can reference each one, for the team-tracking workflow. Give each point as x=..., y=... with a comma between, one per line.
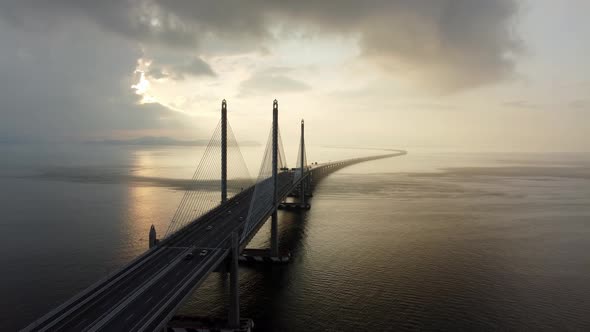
x=144, y=294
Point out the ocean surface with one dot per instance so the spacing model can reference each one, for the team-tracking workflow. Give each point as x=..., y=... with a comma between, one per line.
x=433, y=240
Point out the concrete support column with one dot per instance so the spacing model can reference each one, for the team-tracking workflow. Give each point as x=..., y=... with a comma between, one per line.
x=274, y=236
x=302, y=184
x=234, y=304
x=223, y=151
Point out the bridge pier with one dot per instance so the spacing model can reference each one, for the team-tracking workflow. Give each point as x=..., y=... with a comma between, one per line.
x=300, y=193
x=234, y=287
x=274, y=234
x=308, y=193
x=256, y=256
x=233, y=323
x=294, y=206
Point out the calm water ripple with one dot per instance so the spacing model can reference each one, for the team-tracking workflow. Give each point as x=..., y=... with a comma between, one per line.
x=429, y=241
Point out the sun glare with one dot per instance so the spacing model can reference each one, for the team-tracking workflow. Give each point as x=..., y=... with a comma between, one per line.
x=142, y=87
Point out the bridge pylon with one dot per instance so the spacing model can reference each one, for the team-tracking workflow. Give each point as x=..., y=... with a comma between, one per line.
x=223, y=151
x=304, y=188
x=274, y=228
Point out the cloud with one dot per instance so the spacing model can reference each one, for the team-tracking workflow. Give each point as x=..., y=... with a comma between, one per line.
x=445, y=45
x=72, y=81
x=272, y=80
x=138, y=20
x=428, y=106
x=522, y=104
x=195, y=67
x=580, y=104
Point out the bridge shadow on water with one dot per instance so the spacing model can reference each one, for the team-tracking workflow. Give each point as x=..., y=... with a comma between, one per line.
x=263, y=286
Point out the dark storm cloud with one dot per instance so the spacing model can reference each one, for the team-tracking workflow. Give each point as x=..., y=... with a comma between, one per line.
x=135, y=19
x=453, y=44
x=70, y=80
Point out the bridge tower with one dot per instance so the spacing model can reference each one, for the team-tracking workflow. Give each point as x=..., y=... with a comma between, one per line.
x=223, y=151
x=302, y=166
x=274, y=233
x=303, y=190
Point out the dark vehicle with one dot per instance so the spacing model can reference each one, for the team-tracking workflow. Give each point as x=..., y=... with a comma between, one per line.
x=189, y=256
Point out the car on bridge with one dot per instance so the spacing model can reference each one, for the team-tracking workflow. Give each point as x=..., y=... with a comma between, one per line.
x=203, y=252
x=189, y=256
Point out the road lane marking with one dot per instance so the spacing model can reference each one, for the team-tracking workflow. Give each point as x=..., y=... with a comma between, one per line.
x=81, y=322
x=178, y=288
x=92, y=291
x=107, y=317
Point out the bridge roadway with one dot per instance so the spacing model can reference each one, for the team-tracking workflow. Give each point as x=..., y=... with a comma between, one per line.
x=144, y=294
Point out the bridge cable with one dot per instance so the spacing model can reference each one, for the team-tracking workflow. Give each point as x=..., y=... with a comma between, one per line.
x=204, y=191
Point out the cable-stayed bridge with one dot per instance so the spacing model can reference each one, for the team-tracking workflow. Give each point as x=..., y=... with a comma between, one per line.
x=209, y=232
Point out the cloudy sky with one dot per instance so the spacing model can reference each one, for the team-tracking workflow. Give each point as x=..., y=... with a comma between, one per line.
x=455, y=74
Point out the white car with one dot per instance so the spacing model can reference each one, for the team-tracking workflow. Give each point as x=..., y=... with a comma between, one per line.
x=203, y=252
